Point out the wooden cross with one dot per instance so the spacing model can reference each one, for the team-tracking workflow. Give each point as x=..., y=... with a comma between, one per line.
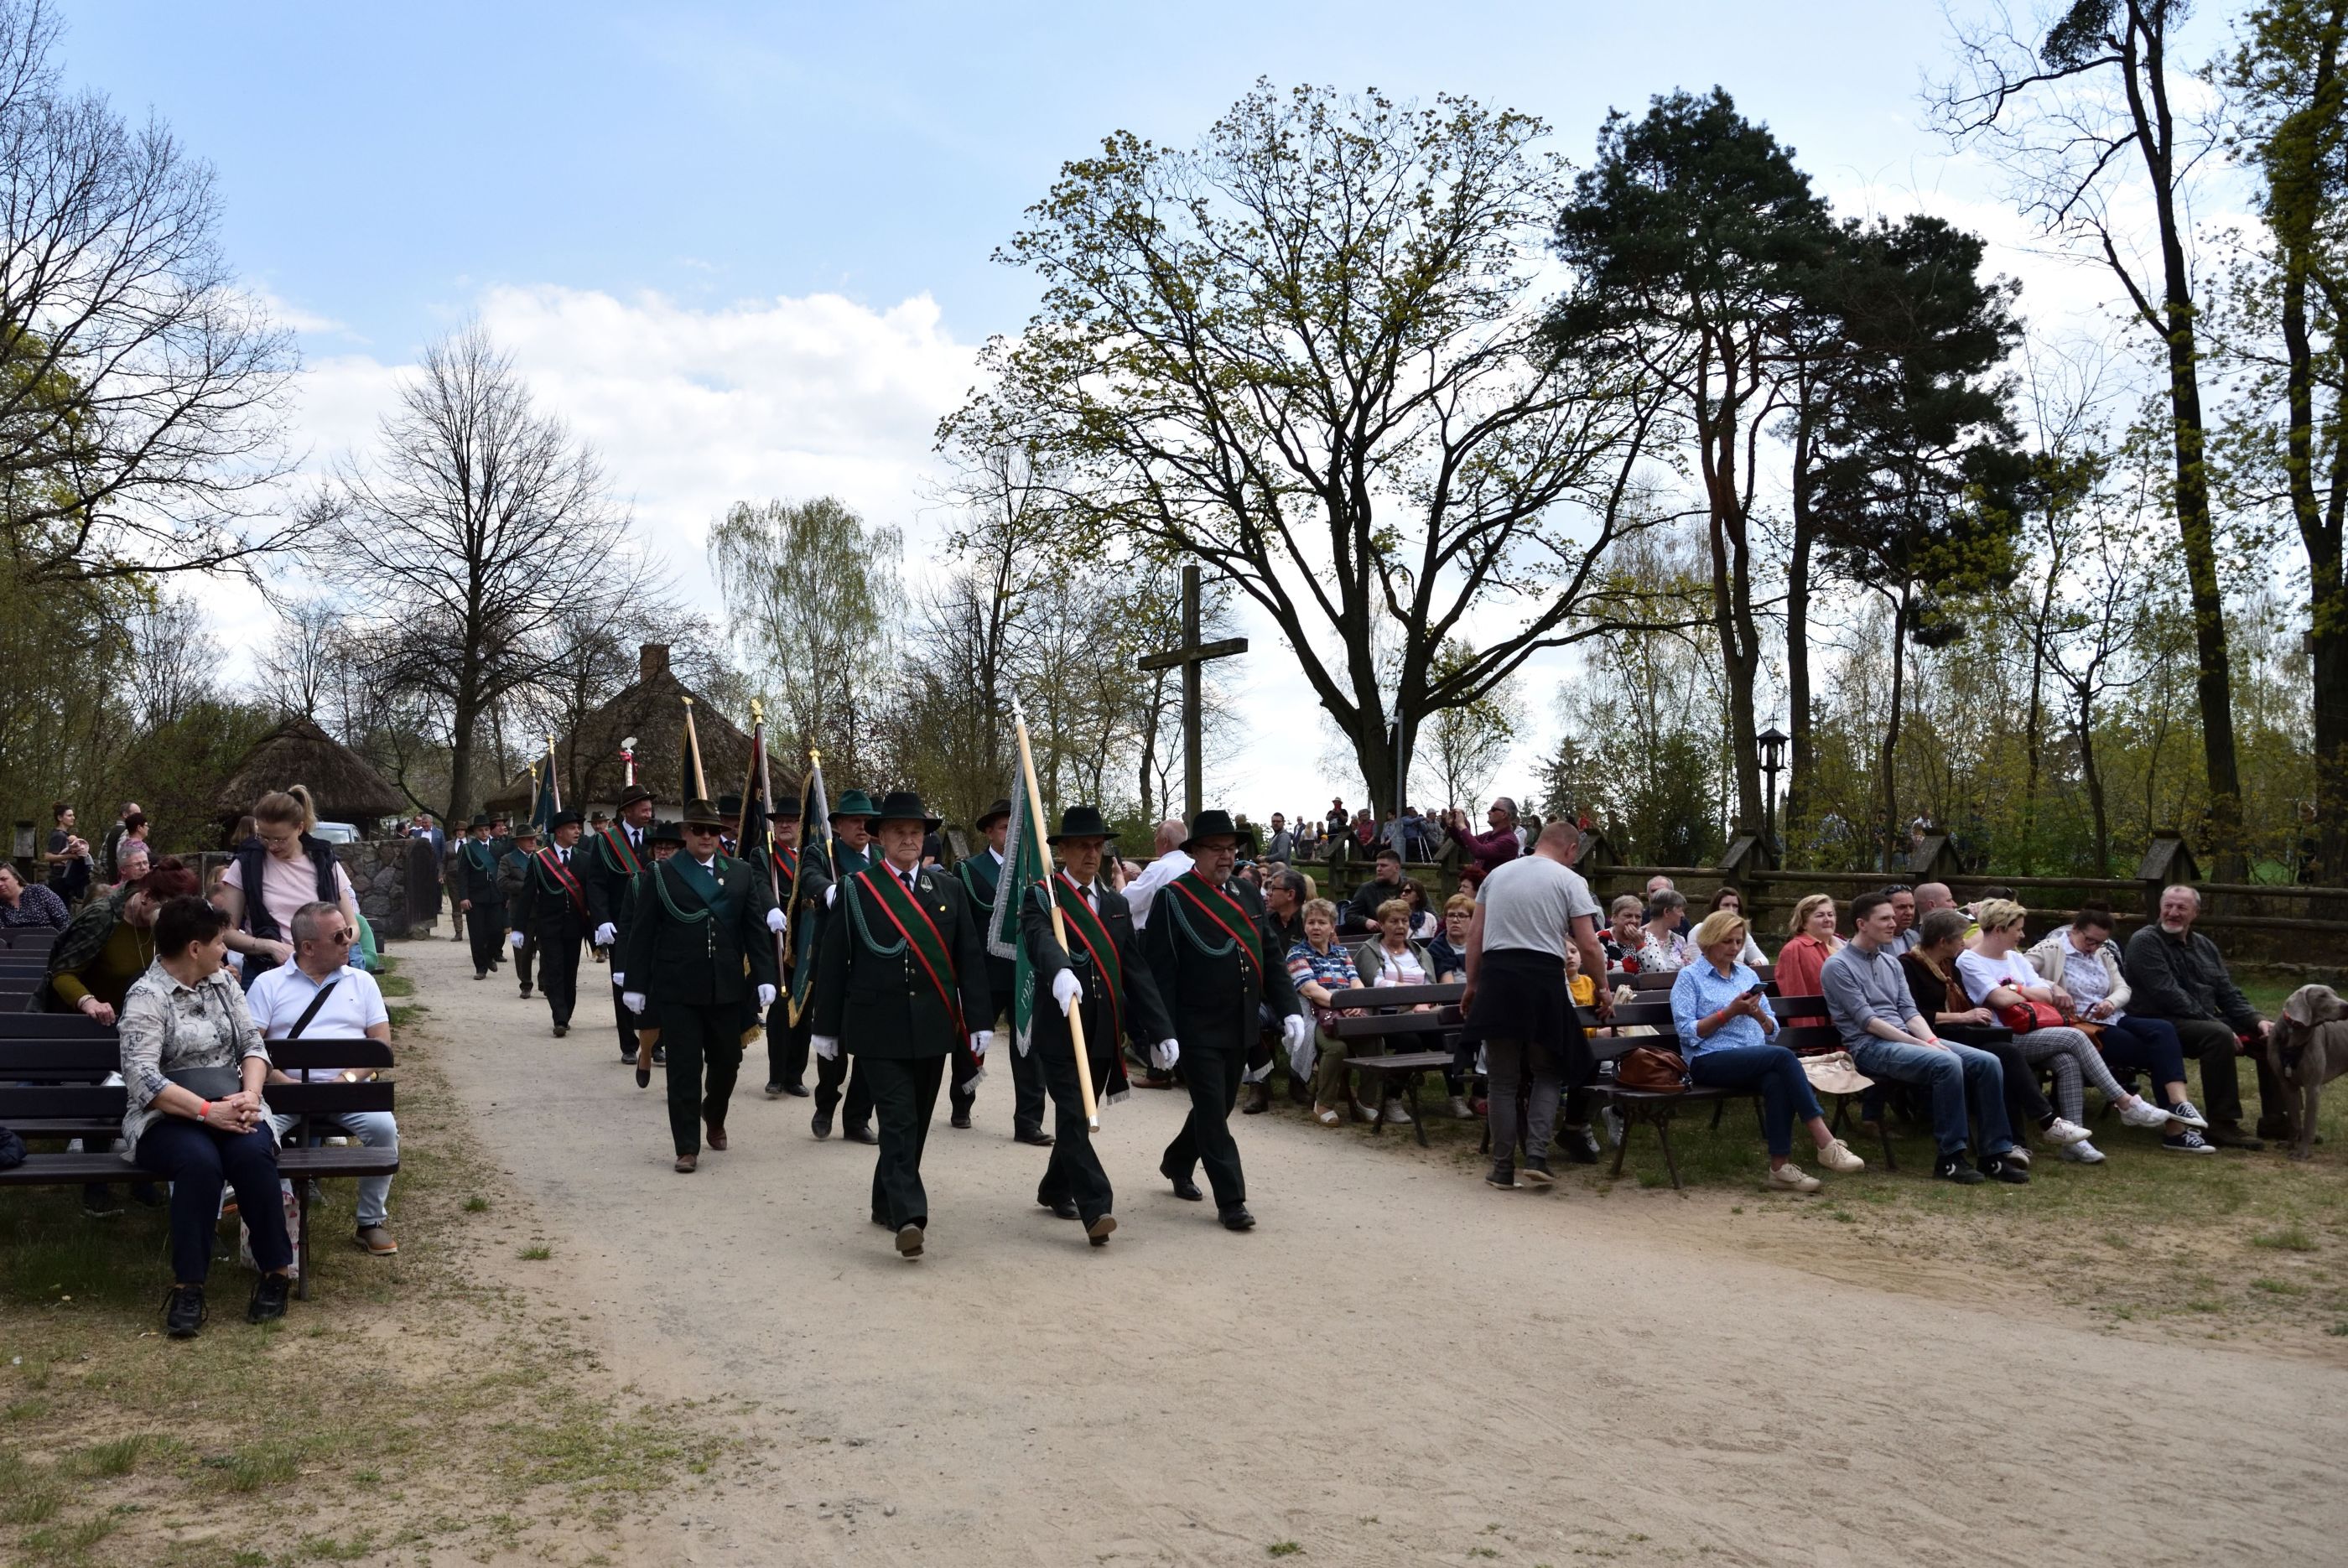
x=1190, y=656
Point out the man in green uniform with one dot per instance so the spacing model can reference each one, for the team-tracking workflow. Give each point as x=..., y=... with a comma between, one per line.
x=981, y=874
x=1100, y=970
x=513, y=870
x=479, y=897
x=698, y=948
x=609, y=861
x=667, y=839
x=1205, y=947
x=848, y=851
x=786, y=1042
x=901, y=985
x=551, y=915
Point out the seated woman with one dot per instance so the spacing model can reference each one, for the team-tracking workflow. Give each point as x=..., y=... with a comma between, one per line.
x=281, y=869
x=1997, y=976
x=1664, y=949
x=28, y=907
x=1393, y=958
x=1931, y=970
x=110, y=944
x=1732, y=899
x=184, y=1021
x=1725, y=1028
x=1813, y=942
x=1423, y=925
x=1320, y=968
x=1449, y=954
x=1621, y=939
x=133, y=860
x=2082, y=959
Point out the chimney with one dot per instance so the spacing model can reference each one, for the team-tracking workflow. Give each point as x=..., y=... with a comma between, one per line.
x=652, y=661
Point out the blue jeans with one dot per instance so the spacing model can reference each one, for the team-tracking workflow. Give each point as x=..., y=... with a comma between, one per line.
x=1776, y=1072
x=199, y=1161
x=1955, y=1075
x=2133, y=1044
x=373, y=1130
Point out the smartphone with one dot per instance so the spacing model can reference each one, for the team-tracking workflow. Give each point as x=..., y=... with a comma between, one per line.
x=1760, y=990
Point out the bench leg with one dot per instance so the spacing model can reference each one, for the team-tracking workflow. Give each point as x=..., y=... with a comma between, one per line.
x=1621, y=1144
x=1378, y=1092
x=1671, y=1161
x=1718, y=1108
x=302, y=1249
x=1418, y=1112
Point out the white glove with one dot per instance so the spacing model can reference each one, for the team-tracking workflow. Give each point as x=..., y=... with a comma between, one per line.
x=516, y=940
x=1165, y=1054
x=1296, y=1032
x=826, y=1046
x=979, y=1040
x=1066, y=989
x=606, y=935
x=619, y=981
x=634, y=1000
x=775, y=921
x=830, y=892
x=765, y=995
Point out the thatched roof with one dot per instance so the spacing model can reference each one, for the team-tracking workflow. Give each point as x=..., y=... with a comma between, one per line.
x=652, y=712
x=346, y=788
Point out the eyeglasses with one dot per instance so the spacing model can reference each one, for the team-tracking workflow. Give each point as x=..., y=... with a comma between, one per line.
x=344, y=937
x=696, y=831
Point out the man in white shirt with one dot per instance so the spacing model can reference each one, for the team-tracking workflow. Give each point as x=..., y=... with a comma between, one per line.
x=347, y=1005
x=1171, y=862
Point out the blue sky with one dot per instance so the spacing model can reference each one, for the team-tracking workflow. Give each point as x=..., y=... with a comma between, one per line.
x=744, y=248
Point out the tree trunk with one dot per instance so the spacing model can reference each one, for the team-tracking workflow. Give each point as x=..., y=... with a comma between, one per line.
x=1731, y=585
x=1888, y=759
x=460, y=756
x=2034, y=734
x=2093, y=777
x=1803, y=759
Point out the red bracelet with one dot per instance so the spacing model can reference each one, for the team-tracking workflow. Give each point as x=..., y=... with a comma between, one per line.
x=203, y=1109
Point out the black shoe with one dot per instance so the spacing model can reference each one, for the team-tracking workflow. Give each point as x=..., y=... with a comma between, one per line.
x=183, y=1311
x=269, y=1292
x=560, y=1030
x=99, y=1202
x=795, y=1090
x=525, y=993
x=1953, y=1167
x=960, y=1118
x=660, y=1056
x=908, y=1241
x=480, y=974
x=774, y=1092
x=1184, y=1188
x=1062, y=1208
x=1580, y=1145
x=1999, y=1169
x=862, y=1135
x=1098, y=1233
x=1237, y=1218
x=1503, y=1175
x=2230, y=1135
x=1034, y=1136
x=1537, y=1173
x=820, y=1123
x=627, y=1059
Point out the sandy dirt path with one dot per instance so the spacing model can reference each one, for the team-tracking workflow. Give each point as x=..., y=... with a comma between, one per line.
x=1397, y=1366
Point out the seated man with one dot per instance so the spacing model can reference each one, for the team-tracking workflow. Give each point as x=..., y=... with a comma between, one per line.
x=1867, y=994
x=2176, y=974
x=320, y=996
x=1362, y=909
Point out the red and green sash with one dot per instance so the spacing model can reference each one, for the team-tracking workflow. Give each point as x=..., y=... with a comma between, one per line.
x=622, y=853
x=563, y=878
x=920, y=935
x=1085, y=930
x=1228, y=917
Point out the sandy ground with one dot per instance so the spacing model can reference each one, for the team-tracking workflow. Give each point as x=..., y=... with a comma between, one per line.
x=1397, y=1366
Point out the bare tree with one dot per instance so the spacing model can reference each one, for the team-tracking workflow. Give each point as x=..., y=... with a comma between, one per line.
x=1464, y=747
x=303, y=653
x=483, y=530
x=2087, y=121
x=141, y=390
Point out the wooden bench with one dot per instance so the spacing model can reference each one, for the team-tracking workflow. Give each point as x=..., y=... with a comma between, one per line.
x=51, y=1071
x=37, y=939
x=1433, y=1032
x=1803, y=1027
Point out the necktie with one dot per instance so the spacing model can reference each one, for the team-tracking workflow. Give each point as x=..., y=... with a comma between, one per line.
x=907, y=877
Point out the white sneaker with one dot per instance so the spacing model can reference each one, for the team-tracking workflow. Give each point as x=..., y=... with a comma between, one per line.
x=1838, y=1157
x=2183, y=1111
x=2017, y=1155
x=2142, y=1112
x=1461, y=1110
x=2082, y=1153
x=2061, y=1131
x=1791, y=1177
x=1395, y=1116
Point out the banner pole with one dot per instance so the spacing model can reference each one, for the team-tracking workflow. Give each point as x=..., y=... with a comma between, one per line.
x=1052, y=904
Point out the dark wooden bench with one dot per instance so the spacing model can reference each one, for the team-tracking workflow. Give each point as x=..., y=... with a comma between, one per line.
x=51, y=1089
x=1431, y=1032
x=20, y=939
x=1803, y=1027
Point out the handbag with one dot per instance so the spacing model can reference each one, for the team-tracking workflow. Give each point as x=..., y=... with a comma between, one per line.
x=2025, y=1016
x=1652, y=1070
x=209, y=1083
x=1834, y=1072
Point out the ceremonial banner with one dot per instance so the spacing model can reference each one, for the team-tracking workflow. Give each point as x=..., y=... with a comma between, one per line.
x=1022, y=870
x=799, y=914
x=546, y=797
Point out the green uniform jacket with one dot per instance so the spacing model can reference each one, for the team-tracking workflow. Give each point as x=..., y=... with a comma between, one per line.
x=477, y=875
x=881, y=1003
x=543, y=908
x=981, y=878
x=1146, y=1023
x=606, y=879
x=1213, y=1005
x=682, y=951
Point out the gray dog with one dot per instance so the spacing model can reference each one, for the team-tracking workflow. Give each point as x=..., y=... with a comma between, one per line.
x=2308, y=1048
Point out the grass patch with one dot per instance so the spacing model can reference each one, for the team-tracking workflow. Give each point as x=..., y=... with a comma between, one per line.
x=477, y=1204
x=539, y=1252
x=1283, y=1548
x=2290, y=1238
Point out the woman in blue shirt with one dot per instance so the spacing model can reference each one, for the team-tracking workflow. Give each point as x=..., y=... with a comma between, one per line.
x=1725, y=1030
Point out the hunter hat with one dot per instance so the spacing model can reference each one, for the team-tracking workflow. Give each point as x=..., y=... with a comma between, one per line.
x=731, y=805
x=481, y=822
x=905, y=805
x=668, y=832
x=998, y=812
x=1082, y=822
x=1216, y=825
x=855, y=803
x=565, y=820
x=634, y=793
x=786, y=810
x=702, y=814
x=526, y=830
